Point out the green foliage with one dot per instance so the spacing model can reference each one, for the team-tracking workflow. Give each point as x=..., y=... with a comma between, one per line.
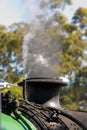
x=74, y=45
x=67, y=102
x=59, y=3
x=11, y=39
x=16, y=92
x=70, y=28
x=74, y=61
x=80, y=17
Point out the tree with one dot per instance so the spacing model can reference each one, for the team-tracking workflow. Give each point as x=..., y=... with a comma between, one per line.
x=74, y=61
x=11, y=39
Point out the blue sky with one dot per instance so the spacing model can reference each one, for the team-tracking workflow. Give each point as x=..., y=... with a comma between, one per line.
x=12, y=11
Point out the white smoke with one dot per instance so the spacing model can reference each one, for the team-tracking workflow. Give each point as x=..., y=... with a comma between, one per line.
x=41, y=60
x=40, y=51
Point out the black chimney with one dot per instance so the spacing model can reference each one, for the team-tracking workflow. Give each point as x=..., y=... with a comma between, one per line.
x=42, y=90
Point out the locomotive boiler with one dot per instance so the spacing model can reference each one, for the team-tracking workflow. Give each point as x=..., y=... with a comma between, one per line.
x=40, y=108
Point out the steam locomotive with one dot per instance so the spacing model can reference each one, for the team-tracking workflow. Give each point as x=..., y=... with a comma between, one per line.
x=40, y=108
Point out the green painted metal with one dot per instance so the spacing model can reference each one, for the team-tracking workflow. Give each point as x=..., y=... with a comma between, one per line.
x=9, y=123
x=27, y=123
x=13, y=123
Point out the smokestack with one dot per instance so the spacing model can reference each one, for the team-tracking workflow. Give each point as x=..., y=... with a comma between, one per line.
x=42, y=90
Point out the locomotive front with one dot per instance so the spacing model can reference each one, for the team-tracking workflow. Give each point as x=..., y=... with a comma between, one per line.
x=40, y=108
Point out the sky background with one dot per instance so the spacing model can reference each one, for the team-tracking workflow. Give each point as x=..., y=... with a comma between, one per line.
x=13, y=11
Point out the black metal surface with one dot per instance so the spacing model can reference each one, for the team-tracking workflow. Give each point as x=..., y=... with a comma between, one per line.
x=43, y=115
x=45, y=118
x=41, y=90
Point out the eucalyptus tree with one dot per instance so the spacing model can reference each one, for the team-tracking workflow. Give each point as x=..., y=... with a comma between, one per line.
x=11, y=39
x=74, y=56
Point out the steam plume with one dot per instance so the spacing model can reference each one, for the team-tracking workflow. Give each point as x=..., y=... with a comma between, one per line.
x=41, y=48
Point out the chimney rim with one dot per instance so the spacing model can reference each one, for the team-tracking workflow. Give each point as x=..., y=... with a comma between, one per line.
x=44, y=80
